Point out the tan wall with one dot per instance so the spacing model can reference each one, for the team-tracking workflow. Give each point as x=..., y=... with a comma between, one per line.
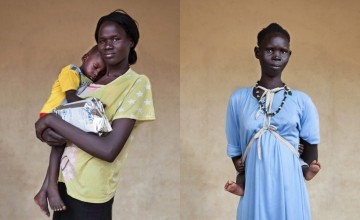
x=37, y=38
x=217, y=40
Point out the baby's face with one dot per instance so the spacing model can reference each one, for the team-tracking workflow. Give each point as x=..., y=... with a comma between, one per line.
x=94, y=67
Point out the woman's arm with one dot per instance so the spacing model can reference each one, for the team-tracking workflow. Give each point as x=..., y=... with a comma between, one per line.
x=105, y=147
x=53, y=139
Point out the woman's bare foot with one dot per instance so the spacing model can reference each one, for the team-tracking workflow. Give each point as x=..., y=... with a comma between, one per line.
x=41, y=200
x=234, y=188
x=313, y=169
x=54, y=198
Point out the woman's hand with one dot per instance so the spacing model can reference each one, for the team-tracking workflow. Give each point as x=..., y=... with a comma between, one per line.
x=46, y=134
x=52, y=138
x=105, y=147
x=40, y=127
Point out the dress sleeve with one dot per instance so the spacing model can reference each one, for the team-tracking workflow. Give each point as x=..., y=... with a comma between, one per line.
x=69, y=79
x=232, y=129
x=138, y=104
x=310, y=131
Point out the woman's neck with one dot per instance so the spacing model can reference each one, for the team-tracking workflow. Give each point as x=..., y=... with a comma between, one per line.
x=115, y=72
x=270, y=83
x=112, y=73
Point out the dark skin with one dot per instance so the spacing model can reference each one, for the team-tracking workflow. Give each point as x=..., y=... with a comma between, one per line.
x=71, y=96
x=53, y=139
x=105, y=147
x=308, y=171
x=273, y=54
x=93, y=67
x=310, y=156
x=115, y=52
x=114, y=46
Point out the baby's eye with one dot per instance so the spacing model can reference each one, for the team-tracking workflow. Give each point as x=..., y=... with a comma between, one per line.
x=284, y=51
x=268, y=50
x=101, y=41
x=115, y=39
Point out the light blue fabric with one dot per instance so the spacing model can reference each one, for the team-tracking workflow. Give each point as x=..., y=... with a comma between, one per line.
x=274, y=185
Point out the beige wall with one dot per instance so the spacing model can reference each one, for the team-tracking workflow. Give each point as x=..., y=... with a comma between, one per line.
x=37, y=38
x=217, y=40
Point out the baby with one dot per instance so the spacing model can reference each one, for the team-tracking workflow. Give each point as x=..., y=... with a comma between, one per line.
x=238, y=187
x=71, y=81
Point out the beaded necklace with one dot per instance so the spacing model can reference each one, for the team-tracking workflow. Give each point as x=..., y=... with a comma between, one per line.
x=262, y=105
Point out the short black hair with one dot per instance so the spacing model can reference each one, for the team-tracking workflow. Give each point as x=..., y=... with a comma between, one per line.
x=272, y=28
x=92, y=51
x=128, y=24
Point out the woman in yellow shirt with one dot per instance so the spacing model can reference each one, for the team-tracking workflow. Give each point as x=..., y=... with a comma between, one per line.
x=90, y=168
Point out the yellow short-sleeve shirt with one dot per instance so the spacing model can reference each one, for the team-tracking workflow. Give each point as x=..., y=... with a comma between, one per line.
x=70, y=78
x=93, y=180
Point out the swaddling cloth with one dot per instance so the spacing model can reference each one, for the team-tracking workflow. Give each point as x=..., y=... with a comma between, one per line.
x=88, y=115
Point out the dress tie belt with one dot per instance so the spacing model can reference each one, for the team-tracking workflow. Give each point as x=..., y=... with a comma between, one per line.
x=258, y=136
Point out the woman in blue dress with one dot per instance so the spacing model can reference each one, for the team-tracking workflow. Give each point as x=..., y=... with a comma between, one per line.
x=264, y=124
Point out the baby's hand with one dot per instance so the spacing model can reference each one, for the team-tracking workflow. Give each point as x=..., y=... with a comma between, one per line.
x=301, y=148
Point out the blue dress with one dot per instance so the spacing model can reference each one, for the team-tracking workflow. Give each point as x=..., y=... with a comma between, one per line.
x=274, y=184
